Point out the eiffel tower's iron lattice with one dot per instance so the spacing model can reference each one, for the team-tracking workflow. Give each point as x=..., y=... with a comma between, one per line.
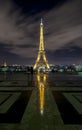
x=41, y=60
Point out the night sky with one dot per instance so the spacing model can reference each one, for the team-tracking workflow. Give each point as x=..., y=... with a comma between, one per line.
x=20, y=26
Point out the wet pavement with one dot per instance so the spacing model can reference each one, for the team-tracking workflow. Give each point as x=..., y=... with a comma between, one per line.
x=40, y=101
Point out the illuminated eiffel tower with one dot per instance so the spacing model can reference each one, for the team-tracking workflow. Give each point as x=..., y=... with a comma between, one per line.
x=41, y=58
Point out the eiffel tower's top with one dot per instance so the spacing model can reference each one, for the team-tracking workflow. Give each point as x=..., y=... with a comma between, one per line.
x=41, y=22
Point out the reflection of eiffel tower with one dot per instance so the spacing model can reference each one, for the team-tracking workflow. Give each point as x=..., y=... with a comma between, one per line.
x=41, y=58
x=41, y=85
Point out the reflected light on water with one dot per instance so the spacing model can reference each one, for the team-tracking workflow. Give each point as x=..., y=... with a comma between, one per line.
x=41, y=78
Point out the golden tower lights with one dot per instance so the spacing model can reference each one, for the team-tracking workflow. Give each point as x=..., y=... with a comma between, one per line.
x=41, y=58
x=41, y=85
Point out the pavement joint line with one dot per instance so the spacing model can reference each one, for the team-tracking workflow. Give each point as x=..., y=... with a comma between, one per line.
x=6, y=105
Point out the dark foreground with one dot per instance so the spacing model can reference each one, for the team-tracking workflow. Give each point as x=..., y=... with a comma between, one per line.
x=40, y=102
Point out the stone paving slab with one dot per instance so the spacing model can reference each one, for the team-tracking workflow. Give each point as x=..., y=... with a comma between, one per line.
x=32, y=119
x=73, y=99
x=8, y=103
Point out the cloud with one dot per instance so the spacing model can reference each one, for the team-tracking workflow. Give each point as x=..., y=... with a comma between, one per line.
x=24, y=52
x=67, y=36
x=69, y=54
x=15, y=32
x=62, y=26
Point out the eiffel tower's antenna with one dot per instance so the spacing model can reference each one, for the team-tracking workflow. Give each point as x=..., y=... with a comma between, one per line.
x=41, y=58
x=41, y=22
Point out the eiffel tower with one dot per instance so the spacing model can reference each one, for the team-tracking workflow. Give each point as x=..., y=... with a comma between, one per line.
x=41, y=60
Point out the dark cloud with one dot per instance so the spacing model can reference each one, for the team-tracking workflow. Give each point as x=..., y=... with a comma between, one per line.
x=19, y=29
x=68, y=54
x=27, y=46
x=12, y=58
x=32, y=7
